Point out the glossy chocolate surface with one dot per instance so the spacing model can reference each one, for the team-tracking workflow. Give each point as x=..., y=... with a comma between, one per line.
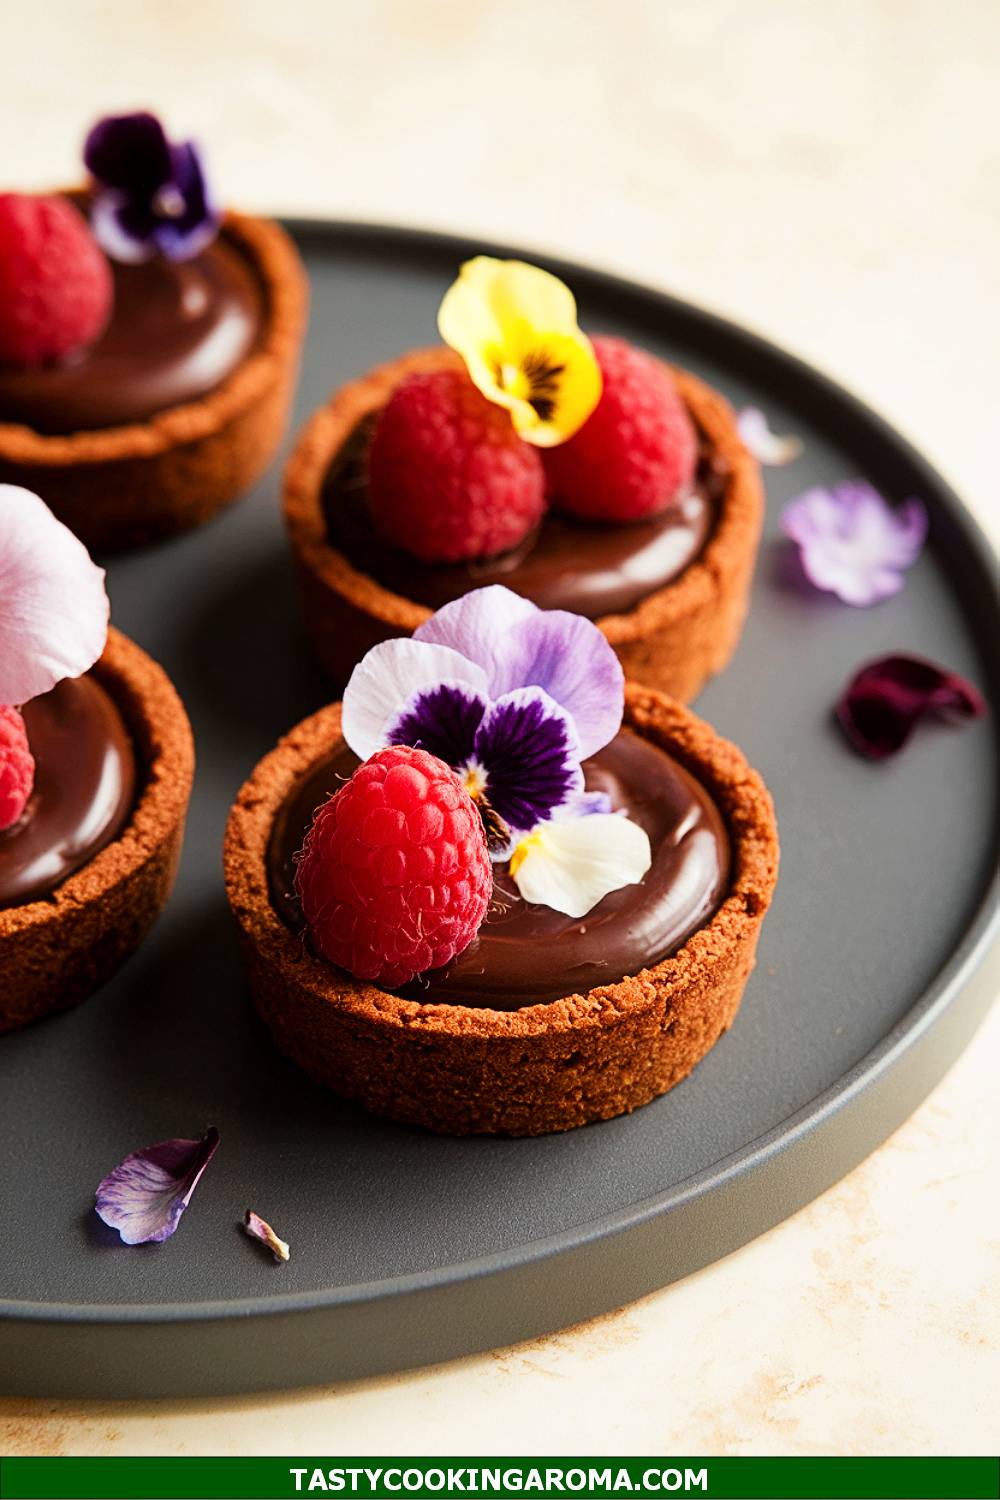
x=83, y=795
x=526, y=954
x=585, y=567
x=176, y=332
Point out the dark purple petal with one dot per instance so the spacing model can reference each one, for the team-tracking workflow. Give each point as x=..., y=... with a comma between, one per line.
x=129, y=152
x=883, y=702
x=442, y=720
x=145, y=1195
x=528, y=751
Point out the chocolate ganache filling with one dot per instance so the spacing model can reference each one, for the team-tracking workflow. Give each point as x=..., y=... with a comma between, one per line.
x=83, y=795
x=177, y=331
x=526, y=954
x=590, y=568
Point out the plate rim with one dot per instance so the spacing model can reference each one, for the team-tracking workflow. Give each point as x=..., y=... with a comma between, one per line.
x=927, y=1009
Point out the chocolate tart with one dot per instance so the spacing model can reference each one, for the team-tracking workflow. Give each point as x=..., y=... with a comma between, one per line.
x=58, y=949
x=466, y=1069
x=673, y=638
x=127, y=485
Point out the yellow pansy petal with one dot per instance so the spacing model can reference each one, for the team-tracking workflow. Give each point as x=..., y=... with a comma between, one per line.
x=571, y=864
x=515, y=327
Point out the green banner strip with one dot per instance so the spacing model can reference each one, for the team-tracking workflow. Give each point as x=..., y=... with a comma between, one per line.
x=275, y=1478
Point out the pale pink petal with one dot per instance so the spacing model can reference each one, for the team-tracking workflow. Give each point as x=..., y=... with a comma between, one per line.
x=770, y=448
x=53, y=604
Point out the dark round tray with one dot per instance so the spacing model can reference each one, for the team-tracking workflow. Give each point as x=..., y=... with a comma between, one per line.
x=407, y=1248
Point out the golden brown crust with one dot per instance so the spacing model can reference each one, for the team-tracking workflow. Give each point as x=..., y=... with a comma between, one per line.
x=126, y=486
x=673, y=640
x=465, y=1070
x=57, y=951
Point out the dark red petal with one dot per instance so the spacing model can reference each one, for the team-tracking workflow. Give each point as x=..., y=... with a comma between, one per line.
x=883, y=702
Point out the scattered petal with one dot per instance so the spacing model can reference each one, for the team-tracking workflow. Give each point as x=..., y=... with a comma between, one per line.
x=259, y=1229
x=571, y=864
x=515, y=326
x=852, y=543
x=145, y=1195
x=767, y=447
x=150, y=194
x=883, y=702
x=386, y=681
x=53, y=604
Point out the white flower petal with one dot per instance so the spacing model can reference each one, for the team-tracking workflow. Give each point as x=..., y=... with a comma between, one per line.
x=771, y=448
x=385, y=681
x=53, y=604
x=572, y=864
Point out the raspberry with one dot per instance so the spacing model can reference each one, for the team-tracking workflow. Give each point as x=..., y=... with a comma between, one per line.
x=394, y=877
x=449, y=478
x=636, y=451
x=55, y=283
x=17, y=767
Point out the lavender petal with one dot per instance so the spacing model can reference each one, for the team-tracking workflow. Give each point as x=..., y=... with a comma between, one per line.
x=569, y=659
x=146, y=1194
x=852, y=542
x=476, y=624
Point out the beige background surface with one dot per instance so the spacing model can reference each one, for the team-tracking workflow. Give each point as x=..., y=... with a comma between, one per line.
x=829, y=175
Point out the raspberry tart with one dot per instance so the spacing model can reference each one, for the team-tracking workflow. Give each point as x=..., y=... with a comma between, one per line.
x=149, y=344
x=96, y=764
x=582, y=474
x=497, y=889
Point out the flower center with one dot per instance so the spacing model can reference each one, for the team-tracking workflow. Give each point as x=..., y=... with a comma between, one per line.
x=169, y=201
x=535, y=379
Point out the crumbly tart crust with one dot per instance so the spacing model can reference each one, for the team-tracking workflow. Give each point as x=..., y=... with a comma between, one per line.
x=543, y=1068
x=56, y=951
x=674, y=640
x=124, y=487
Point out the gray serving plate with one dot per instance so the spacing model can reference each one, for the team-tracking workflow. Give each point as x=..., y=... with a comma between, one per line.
x=407, y=1248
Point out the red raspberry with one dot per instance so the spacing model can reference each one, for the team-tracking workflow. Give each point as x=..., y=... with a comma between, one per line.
x=394, y=877
x=449, y=478
x=636, y=451
x=55, y=283
x=17, y=767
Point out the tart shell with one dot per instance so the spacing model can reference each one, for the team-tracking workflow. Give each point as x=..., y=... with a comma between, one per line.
x=56, y=951
x=123, y=487
x=673, y=640
x=547, y=1067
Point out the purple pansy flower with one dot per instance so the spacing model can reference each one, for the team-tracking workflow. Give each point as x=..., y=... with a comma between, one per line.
x=150, y=195
x=883, y=702
x=852, y=542
x=512, y=696
x=145, y=1195
x=770, y=448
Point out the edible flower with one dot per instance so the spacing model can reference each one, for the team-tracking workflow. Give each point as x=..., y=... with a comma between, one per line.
x=770, y=448
x=884, y=701
x=259, y=1229
x=146, y=1194
x=150, y=194
x=53, y=604
x=515, y=327
x=852, y=542
x=514, y=698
